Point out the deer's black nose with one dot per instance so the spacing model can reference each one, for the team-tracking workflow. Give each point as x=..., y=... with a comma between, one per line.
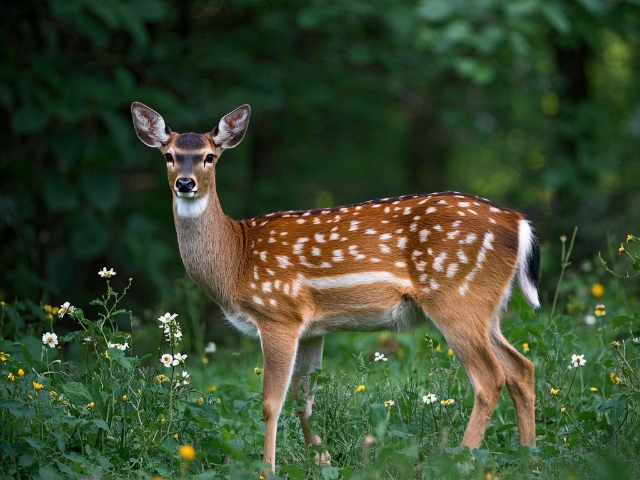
x=185, y=185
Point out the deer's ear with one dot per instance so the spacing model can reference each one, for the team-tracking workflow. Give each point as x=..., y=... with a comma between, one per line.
x=149, y=125
x=232, y=127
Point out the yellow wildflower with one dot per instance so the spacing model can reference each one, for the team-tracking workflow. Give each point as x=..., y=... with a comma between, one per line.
x=20, y=372
x=621, y=249
x=4, y=356
x=11, y=377
x=389, y=403
x=105, y=354
x=205, y=361
x=600, y=311
x=450, y=352
x=175, y=436
x=614, y=378
x=37, y=386
x=563, y=410
x=566, y=442
x=593, y=389
x=629, y=238
x=447, y=402
x=91, y=405
x=360, y=388
x=52, y=393
x=162, y=378
x=212, y=388
x=257, y=371
x=525, y=347
x=615, y=343
x=125, y=397
x=597, y=290
x=555, y=391
x=438, y=349
x=187, y=453
x=200, y=400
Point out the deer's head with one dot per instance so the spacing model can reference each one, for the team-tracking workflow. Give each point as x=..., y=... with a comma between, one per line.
x=191, y=157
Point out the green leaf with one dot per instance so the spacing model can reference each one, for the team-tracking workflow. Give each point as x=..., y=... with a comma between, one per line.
x=49, y=473
x=617, y=322
x=18, y=409
x=77, y=393
x=329, y=473
x=28, y=120
x=293, y=472
x=98, y=422
x=556, y=17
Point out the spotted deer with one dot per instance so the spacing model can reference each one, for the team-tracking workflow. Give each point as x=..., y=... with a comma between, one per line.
x=290, y=277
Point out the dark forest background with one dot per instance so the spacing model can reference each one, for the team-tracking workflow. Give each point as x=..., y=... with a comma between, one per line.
x=534, y=104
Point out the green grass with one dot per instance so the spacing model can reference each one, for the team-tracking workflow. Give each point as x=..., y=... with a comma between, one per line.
x=110, y=416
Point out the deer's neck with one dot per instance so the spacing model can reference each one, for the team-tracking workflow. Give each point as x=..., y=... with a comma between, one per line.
x=210, y=245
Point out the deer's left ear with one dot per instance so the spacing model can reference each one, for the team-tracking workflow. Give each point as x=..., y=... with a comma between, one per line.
x=149, y=126
x=232, y=127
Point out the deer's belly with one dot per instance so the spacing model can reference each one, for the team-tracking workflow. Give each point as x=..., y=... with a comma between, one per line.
x=403, y=315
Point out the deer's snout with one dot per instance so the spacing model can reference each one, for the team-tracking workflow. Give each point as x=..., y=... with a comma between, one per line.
x=185, y=185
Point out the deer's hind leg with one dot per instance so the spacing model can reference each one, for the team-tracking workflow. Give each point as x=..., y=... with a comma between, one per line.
x=309, y=358
x=466, y=329
x=519, y=373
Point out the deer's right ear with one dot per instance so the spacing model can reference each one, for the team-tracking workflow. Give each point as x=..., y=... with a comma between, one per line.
x=149, y=125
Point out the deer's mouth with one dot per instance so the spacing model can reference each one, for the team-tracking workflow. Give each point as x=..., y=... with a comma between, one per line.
x=190, y=194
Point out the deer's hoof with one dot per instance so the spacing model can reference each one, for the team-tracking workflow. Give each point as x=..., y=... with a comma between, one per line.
x=322, y=459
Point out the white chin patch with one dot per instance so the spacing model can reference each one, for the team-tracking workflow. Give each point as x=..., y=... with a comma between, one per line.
x=191, y=207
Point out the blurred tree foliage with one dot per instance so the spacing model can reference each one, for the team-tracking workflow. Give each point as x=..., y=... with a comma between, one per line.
x=532, y=103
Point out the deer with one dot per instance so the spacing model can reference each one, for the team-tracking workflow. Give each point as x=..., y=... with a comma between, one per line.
x=291, y=277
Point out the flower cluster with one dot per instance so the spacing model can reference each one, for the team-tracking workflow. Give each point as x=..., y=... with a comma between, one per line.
x=119, y=346
x=65, y=308
x=173, y=335
x=171, y=328
x=379, y=357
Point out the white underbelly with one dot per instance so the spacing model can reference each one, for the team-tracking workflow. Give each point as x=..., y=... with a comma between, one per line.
x=403, y=316
x=242, y=323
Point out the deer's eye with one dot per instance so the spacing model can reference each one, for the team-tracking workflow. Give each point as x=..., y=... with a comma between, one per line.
x=169, y=157
x=209, y=158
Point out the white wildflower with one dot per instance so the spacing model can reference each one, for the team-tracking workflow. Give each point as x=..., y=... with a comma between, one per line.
x=589, y=319
x=167, y=318
x=186, y=378
x=166, y=359
x=429, y=398
x=210, y=348
x=179, y=358
x=379, y=357
x=577, y=361
x=104, y=273
x=66, y=307
x=50, y=339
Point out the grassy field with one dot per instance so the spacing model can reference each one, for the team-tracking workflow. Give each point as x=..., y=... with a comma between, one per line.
x=82, y=405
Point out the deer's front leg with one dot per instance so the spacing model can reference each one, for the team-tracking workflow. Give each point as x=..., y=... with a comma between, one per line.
x=308, y=359
x=279, y=347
